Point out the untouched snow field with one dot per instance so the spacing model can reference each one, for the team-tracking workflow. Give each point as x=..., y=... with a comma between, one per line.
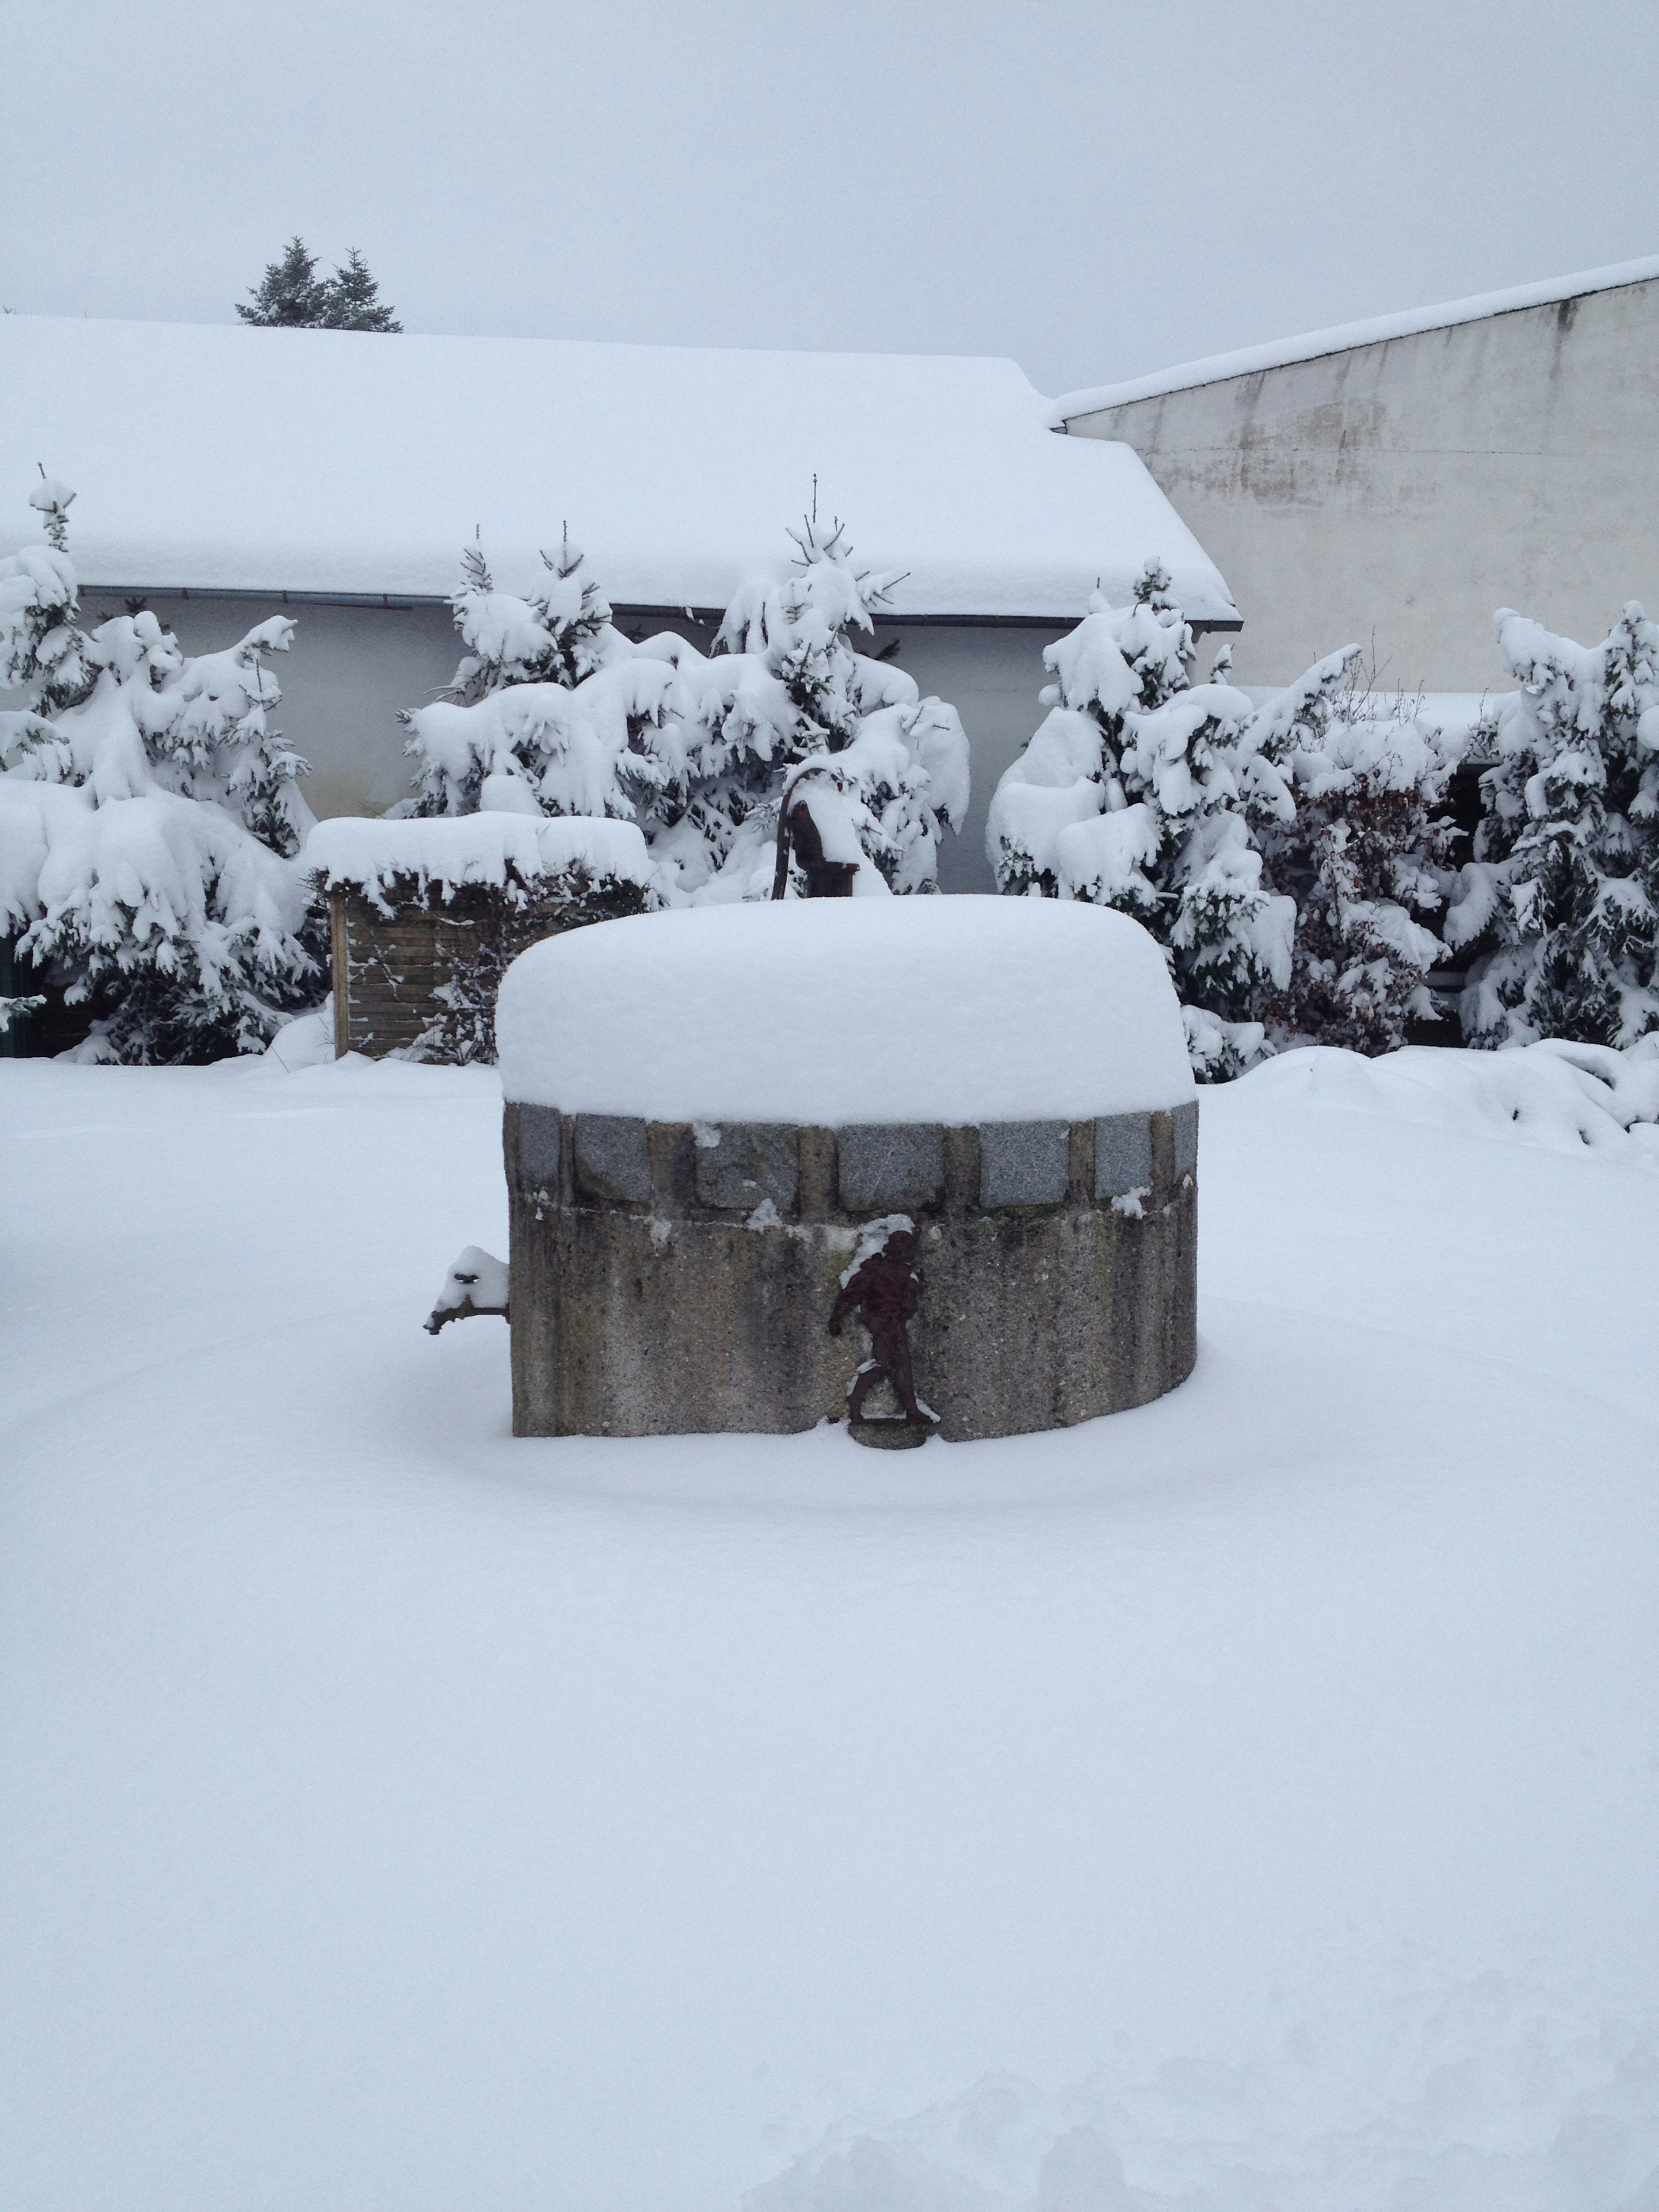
x=1251, y=1801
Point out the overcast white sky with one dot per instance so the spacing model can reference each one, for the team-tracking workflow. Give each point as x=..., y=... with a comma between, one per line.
x=1096, y=189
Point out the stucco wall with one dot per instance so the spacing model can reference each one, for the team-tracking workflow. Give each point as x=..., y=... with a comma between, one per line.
x=991, y=675
x=1409, y=488
x=352, y=667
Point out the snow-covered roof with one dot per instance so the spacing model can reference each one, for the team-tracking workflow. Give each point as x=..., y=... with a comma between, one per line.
x=1281, y=352
x=217, y=456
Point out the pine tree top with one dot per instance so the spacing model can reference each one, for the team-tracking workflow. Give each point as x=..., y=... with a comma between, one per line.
x=52, y=500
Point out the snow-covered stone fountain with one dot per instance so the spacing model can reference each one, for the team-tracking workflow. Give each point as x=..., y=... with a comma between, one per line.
x=716, y=1118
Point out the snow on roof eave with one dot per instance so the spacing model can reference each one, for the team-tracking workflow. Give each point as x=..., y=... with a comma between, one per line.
x=1204, y=612
x=1344, y=337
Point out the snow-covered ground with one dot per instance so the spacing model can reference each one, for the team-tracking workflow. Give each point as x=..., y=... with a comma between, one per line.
x=1256, y=1796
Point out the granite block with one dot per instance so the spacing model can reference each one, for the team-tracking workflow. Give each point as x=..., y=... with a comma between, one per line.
x=1023, y=1162
x=537, y=1164
x=1124, y=1154
x=613, y=1158
x=1185, y=1138
x=753, y=1161
x=890, y=1168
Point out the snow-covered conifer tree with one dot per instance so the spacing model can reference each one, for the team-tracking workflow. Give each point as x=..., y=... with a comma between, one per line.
x=552, y=710
x=1144, y=791
x=1366, y=856
x=1560, y=904
x=204, y=720
x=42, y=648
x=351, y=298
x=786, y=686
x=147, y=818
x=290, y=295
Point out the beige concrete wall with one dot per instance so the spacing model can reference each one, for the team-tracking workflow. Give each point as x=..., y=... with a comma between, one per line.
x=1409, y=488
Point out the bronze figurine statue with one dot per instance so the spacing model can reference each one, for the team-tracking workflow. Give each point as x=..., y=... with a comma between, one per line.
x=884, y=1291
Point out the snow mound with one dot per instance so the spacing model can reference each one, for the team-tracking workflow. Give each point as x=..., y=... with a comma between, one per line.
x=306, y=1040
x=471, y=849
x=832, y=1012
x=1569, y=1098
x=1468, y=2096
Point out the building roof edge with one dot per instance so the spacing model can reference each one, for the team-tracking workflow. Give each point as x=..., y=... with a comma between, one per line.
x=1344, y=337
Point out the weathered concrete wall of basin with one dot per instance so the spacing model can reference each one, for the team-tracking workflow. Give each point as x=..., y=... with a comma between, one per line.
x=669, y=1277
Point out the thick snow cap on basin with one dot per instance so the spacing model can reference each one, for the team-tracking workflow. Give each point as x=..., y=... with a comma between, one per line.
x=829, y=1012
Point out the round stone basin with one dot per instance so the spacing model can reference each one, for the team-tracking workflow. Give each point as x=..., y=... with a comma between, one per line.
x=713, y=1116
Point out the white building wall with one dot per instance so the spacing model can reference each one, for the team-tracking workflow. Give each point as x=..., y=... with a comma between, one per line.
x=1403, y=489
x=352, y=667
x=991, y=673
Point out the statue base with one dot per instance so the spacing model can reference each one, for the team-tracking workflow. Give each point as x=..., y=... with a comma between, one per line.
x=891, y=1431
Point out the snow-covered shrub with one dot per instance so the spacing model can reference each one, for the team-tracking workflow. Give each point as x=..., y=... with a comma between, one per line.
x=147, y=818
x=1565, y=1096
x=1560, y=904
x=552, y=710
x=1146, y=791
x=1366, y=856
